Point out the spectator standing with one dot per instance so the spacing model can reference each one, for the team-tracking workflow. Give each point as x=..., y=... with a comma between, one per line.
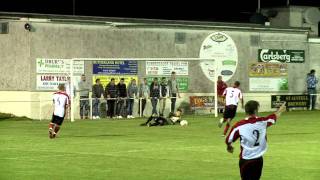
x=154, y=95
x=111, y=94
x=132, y=94
x=122, y=96
x=312, y=88
x=97, y=92
x=84, y=89
x=144, y=93
x=173, y=90
x=163, y=95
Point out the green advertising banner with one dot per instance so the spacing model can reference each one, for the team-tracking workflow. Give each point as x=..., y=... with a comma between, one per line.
x=183, y=82
x=268, y=84
x=281, y=55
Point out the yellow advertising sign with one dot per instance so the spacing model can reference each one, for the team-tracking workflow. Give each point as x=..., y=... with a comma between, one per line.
x=106, y=79
x=268, y=70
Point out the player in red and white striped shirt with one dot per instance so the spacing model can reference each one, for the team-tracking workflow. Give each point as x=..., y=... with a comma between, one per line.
x=232, y=96
x=252, y=132
x=60, y=101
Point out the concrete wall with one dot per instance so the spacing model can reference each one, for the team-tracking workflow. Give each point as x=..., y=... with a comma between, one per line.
x=20, y=48
x=15, y=55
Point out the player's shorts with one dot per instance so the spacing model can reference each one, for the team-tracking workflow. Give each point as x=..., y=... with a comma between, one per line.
x=161, y=121
x=57, y=120
x=251, y=169
x=230, y=111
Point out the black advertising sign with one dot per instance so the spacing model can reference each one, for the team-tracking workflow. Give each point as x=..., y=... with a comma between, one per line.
x=293, y=101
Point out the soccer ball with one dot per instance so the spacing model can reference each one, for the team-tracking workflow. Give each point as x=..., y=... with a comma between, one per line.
x=184, y=123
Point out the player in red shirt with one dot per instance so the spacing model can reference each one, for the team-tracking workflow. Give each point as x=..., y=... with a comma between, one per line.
x=60, y=102
x=252, y=132
x=221, y=86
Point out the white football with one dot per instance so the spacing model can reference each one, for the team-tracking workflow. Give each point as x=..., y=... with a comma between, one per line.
x=184, y=123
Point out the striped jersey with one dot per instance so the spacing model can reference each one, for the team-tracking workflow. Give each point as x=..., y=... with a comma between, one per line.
x=233, y=95
x=60, y=101
x=252, y=132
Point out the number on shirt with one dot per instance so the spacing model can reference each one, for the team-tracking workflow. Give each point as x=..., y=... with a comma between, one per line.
x=231, y=96
x=256, y=134
x=58, y=100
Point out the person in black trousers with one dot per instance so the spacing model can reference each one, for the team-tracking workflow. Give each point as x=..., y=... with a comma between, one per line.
x=111, y=94
x=154, y=95
x=122, y=96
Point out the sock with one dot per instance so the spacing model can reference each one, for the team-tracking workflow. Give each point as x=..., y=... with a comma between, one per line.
x=226, y=129
x=56, y=128
x=51, y=125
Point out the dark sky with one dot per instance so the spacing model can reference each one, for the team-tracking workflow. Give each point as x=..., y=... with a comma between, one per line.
x=204, y=10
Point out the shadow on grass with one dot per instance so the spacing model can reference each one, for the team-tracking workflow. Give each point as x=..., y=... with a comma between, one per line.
x=94, y=135
x=294, y=133
x=11, y=117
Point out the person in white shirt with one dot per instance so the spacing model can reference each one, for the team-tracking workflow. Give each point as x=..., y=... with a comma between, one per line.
x=252, y=132
x=60, y=103
x=232, y=96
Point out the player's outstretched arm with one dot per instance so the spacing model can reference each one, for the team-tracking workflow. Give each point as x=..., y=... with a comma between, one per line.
x=230, y=148
x=281, y=109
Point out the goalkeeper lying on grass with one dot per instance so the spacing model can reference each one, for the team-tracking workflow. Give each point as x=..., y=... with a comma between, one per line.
x=161, y=121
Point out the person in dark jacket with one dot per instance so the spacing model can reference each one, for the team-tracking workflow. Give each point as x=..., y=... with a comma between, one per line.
x=154, y=95
x=163, y=95
x=122, y=96
x=111, y=94
x=97, y=92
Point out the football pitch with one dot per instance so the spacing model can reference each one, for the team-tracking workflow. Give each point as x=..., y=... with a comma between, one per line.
x=121, y=149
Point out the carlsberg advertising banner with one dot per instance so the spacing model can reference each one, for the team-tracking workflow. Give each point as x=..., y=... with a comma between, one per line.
x=281, y=56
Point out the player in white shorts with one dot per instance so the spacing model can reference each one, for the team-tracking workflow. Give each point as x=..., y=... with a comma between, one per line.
x=232, y=96
x=252, y=132
x=60, y=102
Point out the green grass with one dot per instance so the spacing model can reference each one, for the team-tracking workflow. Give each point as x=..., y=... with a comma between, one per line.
x=121, y=149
